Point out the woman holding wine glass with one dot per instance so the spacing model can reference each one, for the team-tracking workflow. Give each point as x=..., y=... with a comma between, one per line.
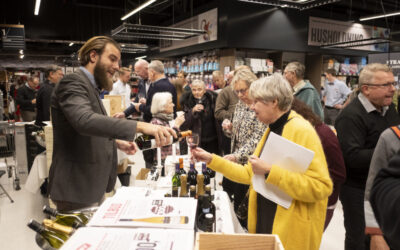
x=199, y=106
x=301, y=225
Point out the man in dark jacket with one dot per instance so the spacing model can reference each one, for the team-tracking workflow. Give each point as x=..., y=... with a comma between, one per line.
x=26, y=99
x=53, y=76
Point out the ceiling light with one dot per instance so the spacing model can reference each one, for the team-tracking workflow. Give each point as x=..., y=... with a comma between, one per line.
x=21, y=56
x=70, y=44
x=122, y=45
x=37, y=7
x=380, y=16
x=21, y=51
x=140, y=57
x=138, y=9
x=284, y=6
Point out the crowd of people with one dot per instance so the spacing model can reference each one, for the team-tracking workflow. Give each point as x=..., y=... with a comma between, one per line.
x=358, y=165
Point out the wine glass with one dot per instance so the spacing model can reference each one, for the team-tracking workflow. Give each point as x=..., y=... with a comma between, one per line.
x=192, y=141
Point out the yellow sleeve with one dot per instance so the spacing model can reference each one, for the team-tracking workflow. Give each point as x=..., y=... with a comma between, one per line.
x=231, y=170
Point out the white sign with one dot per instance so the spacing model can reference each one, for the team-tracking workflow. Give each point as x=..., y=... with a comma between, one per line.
x=325, y=31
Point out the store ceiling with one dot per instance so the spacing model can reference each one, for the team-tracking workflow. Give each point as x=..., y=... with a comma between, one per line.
x=78, y=20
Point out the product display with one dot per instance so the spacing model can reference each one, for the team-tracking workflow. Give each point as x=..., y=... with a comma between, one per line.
x=73, y=220
x=55, y=239
x=146, y=142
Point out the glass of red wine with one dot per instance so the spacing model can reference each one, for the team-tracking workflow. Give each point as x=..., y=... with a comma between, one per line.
x=193, y=142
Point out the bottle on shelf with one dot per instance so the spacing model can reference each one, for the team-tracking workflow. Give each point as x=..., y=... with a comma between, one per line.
x=200, y=185
x=74, y=220
x=206, y=175
x=146, y=142
x=184, y=189
x=192, y=191
x=55, y=239
x=52, y=225
x=192, y=175
x=176, y=182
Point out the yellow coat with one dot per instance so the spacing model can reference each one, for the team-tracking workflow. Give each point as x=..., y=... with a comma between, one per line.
x=301, y=226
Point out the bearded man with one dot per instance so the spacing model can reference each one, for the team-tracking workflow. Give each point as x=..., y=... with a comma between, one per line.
x=85, y=138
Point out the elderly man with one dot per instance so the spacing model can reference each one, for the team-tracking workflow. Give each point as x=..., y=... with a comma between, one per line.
x=26, y=99
x=303, y=90
x=358, y=127
x=84, y=164
x=334, y=96
x=53, y=75
x=122, y=87
x=218, y=80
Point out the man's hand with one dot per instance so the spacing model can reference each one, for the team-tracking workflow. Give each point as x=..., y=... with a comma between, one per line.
x=137, y=105
x=201, y=155
x=129, y=148
x=227, y=125
x=338, y=106
x=34, y=101
x=142, y=100
x=230, y=157
x=259, y=166
x=119, y=115
x=161, y=134
x=378, y=243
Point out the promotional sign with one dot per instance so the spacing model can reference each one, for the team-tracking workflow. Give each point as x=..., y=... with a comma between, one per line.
x=323, y=31
x=391, y=59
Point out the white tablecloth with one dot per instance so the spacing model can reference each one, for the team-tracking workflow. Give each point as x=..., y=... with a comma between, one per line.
x=37, y=174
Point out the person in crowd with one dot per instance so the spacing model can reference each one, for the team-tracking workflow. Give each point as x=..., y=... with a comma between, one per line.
x=26, y=99
x=333, y=153
x=141, y=69
x=385, y=201
x=358, y=127
x=386, y=147
x=218, y=80
x=304, y=90
x=334, y=95
x=182, y=77
x=199, y=107
x=159, y=83
x=178, y=84
x=244, y=132
x=84, y=164
x=229, y=77
x=53, y=75
x=301, y=225
x=122, y=86
x=162, y=109
x=224, y=109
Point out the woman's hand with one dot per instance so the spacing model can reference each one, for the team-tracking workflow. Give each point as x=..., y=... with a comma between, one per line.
x=201, y=155
x=198, y=108
x=227, y=125
x=179, y=120
x=230, y=157
x=259, y=166
x=129, y=148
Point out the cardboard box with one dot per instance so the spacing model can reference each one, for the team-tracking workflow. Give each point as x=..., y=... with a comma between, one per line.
x=215, y=241
x=142, y=175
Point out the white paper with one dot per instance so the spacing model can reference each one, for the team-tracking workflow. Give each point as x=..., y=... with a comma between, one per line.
x=122, y=211
x=130, y=239
x=286, y=154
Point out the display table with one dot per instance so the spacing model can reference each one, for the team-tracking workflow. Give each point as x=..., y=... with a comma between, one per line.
x=37, y=174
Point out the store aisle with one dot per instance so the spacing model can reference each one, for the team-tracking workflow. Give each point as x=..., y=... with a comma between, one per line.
x=15, y=235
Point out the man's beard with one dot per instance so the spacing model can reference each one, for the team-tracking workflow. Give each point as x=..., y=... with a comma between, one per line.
x=100, y=75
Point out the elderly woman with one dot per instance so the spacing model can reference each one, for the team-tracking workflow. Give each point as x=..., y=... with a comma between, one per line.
x=245, y=132
x=199, y=107
x=162, y=110
x=301, y=225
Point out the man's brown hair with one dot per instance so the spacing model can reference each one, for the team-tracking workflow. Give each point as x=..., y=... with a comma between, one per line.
x=97, y=43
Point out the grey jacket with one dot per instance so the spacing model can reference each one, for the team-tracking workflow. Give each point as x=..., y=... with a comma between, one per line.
x=84, y=151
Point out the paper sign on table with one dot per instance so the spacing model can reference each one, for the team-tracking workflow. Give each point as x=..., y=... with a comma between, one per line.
x=286, y=154
x=130, y=238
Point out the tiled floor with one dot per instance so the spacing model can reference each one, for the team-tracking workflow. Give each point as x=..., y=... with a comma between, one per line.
x=15, y=235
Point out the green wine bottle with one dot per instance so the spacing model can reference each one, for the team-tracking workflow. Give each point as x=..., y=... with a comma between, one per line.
x=74, y=220
x=176, y=181
x=52, y=225
x=55, y=239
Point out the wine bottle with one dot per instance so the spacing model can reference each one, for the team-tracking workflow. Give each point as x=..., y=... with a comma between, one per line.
x=176, y=182
x=210, y=172
x=205, y=173
x=55, y=239
x=73, y=220
x=200, y=185
x=192, y=191
x=192, y=175
x=209, y=223
x=146, y=142
x=184, y=190
x=52, y=225
x=162, y=220
x=181, y=170
x=208, y=190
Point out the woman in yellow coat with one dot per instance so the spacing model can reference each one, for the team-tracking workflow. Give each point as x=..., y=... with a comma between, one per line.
x=299, y=227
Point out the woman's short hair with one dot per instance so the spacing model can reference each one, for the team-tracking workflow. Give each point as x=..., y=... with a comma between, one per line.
x=245, y=75
x=297, y=68
x=97, y=43
x=199, y=83
x=159, y=101
x=270, y=88
x=367, y=73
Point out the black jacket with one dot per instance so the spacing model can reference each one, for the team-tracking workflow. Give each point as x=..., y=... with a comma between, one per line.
x=43, y=100
x=25, y=95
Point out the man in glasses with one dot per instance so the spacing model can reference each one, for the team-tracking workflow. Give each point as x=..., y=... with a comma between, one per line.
x=359, y=126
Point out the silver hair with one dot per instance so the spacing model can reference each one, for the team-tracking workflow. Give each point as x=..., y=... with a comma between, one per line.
x=217, y=74
x=157, y=66
x=244, y=75
x=270, y=88
x=367, y=73
x=199, y=82
x=297, y=68
x=159, y=101
x=141, y=62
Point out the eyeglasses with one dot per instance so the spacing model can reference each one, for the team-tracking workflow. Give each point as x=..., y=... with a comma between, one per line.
x=241, y=91
x=385, y=85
